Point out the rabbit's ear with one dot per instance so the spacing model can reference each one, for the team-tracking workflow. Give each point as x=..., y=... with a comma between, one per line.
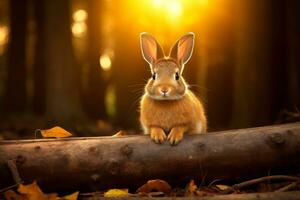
x=183, y=48
x=151, y=50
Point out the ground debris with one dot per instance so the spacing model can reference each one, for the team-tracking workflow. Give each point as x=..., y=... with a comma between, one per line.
x=160, y=188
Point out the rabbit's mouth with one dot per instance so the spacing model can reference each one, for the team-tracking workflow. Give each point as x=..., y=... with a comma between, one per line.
x=164, y=97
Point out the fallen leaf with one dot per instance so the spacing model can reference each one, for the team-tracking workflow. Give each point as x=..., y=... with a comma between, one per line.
x=158, y=185
x=33, y=192
x=223, y=187
x=191, y=188
x=116, y=193
x=73, y=196
x=56, y=132
x=11, y=195
x=119, y=134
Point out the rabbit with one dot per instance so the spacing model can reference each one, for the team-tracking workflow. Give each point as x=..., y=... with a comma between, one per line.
x=168, y=109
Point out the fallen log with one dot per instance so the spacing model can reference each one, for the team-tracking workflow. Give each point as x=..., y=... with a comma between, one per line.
x=98, y=163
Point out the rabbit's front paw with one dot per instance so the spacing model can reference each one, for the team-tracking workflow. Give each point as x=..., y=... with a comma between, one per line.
x=176, y=135
x=158, y=135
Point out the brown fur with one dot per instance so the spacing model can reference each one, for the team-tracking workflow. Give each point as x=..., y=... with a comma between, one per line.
x=184, y=112
x=176, y=110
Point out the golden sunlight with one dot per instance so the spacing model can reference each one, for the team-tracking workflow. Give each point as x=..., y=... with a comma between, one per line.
x=79, y=26
x=167, y=18
x=79, y=29
x=3, y=35
x=172, y=7
x=105, y=62
x=3, y=38
x=175, y=8
x=80, y=15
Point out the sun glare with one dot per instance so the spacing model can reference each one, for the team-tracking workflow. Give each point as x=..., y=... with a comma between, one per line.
x=105, y=62
x=80, y=15
x=175, y=9
x=3, y=34
x=79, y=29
x=166, y=18
x=172, y=8
x=3, y=38
x=79, y=26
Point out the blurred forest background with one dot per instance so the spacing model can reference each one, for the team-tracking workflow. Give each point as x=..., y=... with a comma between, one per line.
x=77, y=63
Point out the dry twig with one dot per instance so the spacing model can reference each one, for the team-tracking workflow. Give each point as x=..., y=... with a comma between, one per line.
x=288, y=187
x=259, y=180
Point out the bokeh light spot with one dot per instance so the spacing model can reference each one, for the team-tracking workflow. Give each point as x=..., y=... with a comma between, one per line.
x=79, y=29
x=105, y=62
x=80, y=15
x=3, y=35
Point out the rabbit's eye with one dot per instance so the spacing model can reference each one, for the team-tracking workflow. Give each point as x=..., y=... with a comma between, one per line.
x=177, y=76
x=154, y=76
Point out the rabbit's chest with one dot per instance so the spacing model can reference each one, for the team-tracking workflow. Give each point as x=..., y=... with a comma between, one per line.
x=168, y=114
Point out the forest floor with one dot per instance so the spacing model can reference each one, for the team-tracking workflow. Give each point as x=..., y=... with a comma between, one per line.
x=264, y=187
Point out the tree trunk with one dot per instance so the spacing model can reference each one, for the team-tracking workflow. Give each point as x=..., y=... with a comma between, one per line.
x=218, y=52
x=62, y=85
x=39, y=75
x=15, y=94
x=293, y=49
x=128, y=73
x=121, y=162
x=95, y=92
x=253, y=71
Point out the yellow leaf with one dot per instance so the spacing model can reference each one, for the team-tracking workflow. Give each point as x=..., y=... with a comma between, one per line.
x=73, y=196
x=116, y=193
x=222, y=187
x=33, y=192
x=56, y=132
x=119, y=134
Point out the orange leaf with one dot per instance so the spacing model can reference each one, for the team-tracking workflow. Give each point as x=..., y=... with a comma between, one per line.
x=191, y=188
x=33, y=192
x=56, y=132
x=73, y=196
x=159, y=185
x=11, y=195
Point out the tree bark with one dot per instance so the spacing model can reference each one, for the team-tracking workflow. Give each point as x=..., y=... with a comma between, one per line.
x=253, y=86
x=94, y=97
x=39, y=67
x=293, y=48
x=129, y=72
x=97, y=163
x=63, y=105
x=218, y=54
x=15, y=88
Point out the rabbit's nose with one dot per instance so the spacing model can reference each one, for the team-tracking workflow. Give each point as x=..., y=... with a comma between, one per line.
x=164, y=91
